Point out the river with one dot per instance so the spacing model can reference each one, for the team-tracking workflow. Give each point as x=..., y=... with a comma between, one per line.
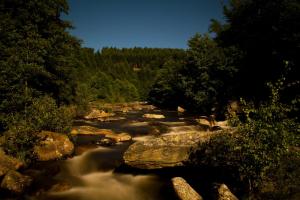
x=95, y=172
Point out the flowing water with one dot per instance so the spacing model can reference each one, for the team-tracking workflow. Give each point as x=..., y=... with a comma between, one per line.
x=92, y=175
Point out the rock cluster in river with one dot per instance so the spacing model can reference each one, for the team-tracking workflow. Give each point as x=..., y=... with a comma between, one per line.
x=95, y=114
x=185, y=192
x=108, y=134
x=51, y=147
x=11, y=179
x=124, y=107
x=8, y=163
x=15, y=182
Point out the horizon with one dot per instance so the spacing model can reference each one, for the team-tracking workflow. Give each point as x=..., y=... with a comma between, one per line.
x=142, y=24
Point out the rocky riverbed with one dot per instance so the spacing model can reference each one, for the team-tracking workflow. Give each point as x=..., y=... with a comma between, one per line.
x=132, y=148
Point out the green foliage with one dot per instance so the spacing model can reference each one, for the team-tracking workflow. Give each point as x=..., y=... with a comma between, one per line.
x=37, y=54
x=165, y=92
x=266, y=32
x=121, y=75
x=42, y=114
x=206, y=77
x=203, y=83
x=20, y=140
x=259, y=145
x=82, y=99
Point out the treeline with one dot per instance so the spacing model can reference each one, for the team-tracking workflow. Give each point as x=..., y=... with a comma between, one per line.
x=257, y=45
x=118, y=75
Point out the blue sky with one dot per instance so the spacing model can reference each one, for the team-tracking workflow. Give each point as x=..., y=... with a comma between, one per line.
x=141, y=23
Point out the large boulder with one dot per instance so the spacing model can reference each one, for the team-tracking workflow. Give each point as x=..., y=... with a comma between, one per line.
x=8, y=163
x=184, y=191
x=15, y=182
x=53, y=146
x=95, y=114
x=169, y=150
x=90, y=130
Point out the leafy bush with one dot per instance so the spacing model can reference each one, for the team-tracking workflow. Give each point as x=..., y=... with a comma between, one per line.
x=42, y=114
x=259, y=146
x=20, y=140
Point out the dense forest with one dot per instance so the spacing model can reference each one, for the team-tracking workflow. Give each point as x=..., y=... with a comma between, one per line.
x=118, y=75
x=252, y=58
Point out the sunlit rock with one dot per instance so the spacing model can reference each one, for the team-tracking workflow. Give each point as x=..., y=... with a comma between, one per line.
x=169, y=150
x=206, y=122
x=15, y=182
x=8, y=163
x=53, y=146
x=180, y=109
x=90, y=130
x=95, y=114
x=121, y=137
x=184, y=191
x=223, y=124
x=154, y=116
x=225, y=194
x=110, y=119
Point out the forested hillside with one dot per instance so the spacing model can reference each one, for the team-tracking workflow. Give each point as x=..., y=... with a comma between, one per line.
x=121, y=75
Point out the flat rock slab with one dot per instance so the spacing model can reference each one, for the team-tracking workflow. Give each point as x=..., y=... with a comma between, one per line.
x=90, y=130
x=121, y=137
x=169, y=150
x=184, y=191
x=153, y=116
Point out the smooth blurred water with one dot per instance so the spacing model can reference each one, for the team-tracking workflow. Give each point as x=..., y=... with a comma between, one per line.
x=91, y=175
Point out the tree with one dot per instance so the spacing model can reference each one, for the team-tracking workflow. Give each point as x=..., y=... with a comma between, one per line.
x=165, y=92
x=203, y=83
x=37, y=54
x=267, y=32
x=207, y=75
